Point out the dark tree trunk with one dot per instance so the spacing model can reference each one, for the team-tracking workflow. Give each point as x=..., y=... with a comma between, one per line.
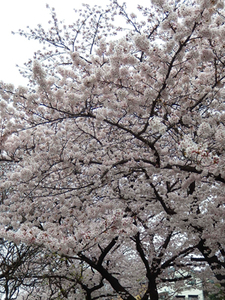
x=217, y=266
x=153, y=292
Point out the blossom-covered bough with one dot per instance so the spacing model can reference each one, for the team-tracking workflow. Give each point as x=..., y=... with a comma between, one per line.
x=113, y=156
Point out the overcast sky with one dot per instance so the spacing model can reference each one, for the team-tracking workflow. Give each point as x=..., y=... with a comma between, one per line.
x=18, y=14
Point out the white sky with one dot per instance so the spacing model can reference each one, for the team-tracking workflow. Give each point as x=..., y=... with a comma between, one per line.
x=18, y=14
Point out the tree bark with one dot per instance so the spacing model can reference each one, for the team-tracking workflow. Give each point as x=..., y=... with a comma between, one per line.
x=215, y=264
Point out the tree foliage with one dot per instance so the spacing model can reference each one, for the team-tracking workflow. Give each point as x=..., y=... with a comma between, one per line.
x=113, y=155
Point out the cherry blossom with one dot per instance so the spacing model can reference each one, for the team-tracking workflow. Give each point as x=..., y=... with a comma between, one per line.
x=113, y=155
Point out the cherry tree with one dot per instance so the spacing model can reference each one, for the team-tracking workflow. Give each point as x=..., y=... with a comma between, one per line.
x=115, y=149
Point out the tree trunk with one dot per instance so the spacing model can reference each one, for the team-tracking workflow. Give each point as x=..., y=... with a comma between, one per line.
x=151, y=292
x=215, y=264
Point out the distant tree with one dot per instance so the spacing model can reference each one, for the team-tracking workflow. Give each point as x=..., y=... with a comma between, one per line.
x=116, y=148
x=14, y=267
x=219, y=295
